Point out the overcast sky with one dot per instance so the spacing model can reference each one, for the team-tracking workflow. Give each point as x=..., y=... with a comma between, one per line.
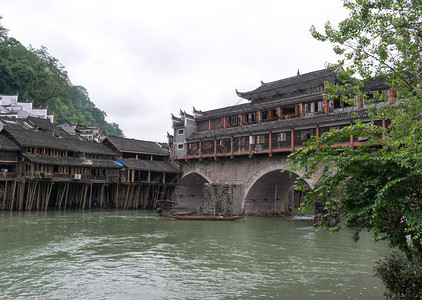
x=142, y=60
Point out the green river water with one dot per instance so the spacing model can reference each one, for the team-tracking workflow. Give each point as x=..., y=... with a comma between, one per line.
x=139, y=255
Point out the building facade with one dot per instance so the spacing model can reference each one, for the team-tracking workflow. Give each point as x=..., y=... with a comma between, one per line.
x=279, y=118
x=43, y=167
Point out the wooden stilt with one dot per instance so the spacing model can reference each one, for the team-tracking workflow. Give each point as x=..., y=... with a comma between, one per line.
x=5, y=195
x=85, y=189
x=90, y=196
x=101, y=195
x=13, y=195
x=66, y=195
x=48, y=193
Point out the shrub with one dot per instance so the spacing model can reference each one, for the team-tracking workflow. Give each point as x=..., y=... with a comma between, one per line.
x=402, y=278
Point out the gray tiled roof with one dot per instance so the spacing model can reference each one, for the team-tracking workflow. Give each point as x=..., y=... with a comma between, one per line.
x=71, y=161
x=137, y=146
x=149, y=165
x=6, y=144
x=29, y=138
x=277, y=125
x=291, y=82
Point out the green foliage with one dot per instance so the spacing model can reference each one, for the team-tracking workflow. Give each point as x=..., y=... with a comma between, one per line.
x=377, y=185
x=402, y=279
x=37, y=76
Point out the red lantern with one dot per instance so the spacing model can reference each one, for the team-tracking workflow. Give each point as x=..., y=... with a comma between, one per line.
x=277, y=111
x=391, y=93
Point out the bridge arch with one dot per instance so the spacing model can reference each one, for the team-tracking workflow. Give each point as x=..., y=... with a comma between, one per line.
x=188, y=194
x=271, y=187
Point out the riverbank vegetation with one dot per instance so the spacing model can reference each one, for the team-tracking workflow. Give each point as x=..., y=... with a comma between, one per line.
x=376, y=186
x=39, y=77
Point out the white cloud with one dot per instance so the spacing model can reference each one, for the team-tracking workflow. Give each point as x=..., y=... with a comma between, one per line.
x=142, y=60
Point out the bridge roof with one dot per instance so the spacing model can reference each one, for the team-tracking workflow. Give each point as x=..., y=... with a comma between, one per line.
x=290, y=84
x=278, y=126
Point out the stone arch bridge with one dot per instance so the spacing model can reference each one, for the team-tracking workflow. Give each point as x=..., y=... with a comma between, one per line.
x=259, y=184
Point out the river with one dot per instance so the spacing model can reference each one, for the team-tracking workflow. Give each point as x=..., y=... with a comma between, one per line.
x=139, y=255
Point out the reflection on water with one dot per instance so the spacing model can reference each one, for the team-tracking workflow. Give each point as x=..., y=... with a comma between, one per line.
x=138, y=255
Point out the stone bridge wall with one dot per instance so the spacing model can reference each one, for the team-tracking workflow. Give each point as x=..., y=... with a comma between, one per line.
x=263, y=185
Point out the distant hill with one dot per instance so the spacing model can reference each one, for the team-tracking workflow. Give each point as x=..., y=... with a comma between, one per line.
x=38, y=77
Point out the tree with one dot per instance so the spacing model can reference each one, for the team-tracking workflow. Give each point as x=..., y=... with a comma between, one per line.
x=378, y=188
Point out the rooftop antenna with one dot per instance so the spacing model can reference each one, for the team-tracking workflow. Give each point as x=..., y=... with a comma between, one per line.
x=298, y=73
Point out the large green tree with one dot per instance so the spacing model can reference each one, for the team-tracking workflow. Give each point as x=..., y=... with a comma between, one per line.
x=374, y=187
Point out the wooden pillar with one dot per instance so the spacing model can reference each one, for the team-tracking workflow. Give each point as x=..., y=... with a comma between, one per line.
x=209, y=125
x=48, y=193
x=270, y=141
x=102, y=195
x=200, y=150
x=149, y=176
x=66, y=195
x=174, y=147
x=215, y=149
x=231, y=147
x=186, y=151
x=351, y=136
x=317, y=130
x=250, y=145
x=90, y=196
x=292, y=140
x=5, y=194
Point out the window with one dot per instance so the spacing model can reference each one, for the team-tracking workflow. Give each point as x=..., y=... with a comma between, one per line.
x=242, y=141
x=181, y=131
x=282, y=137
x=264, y=115
x=180, y=146
x=260, y=139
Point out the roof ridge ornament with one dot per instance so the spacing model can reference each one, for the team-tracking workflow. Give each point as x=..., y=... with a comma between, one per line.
x=298, y=73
